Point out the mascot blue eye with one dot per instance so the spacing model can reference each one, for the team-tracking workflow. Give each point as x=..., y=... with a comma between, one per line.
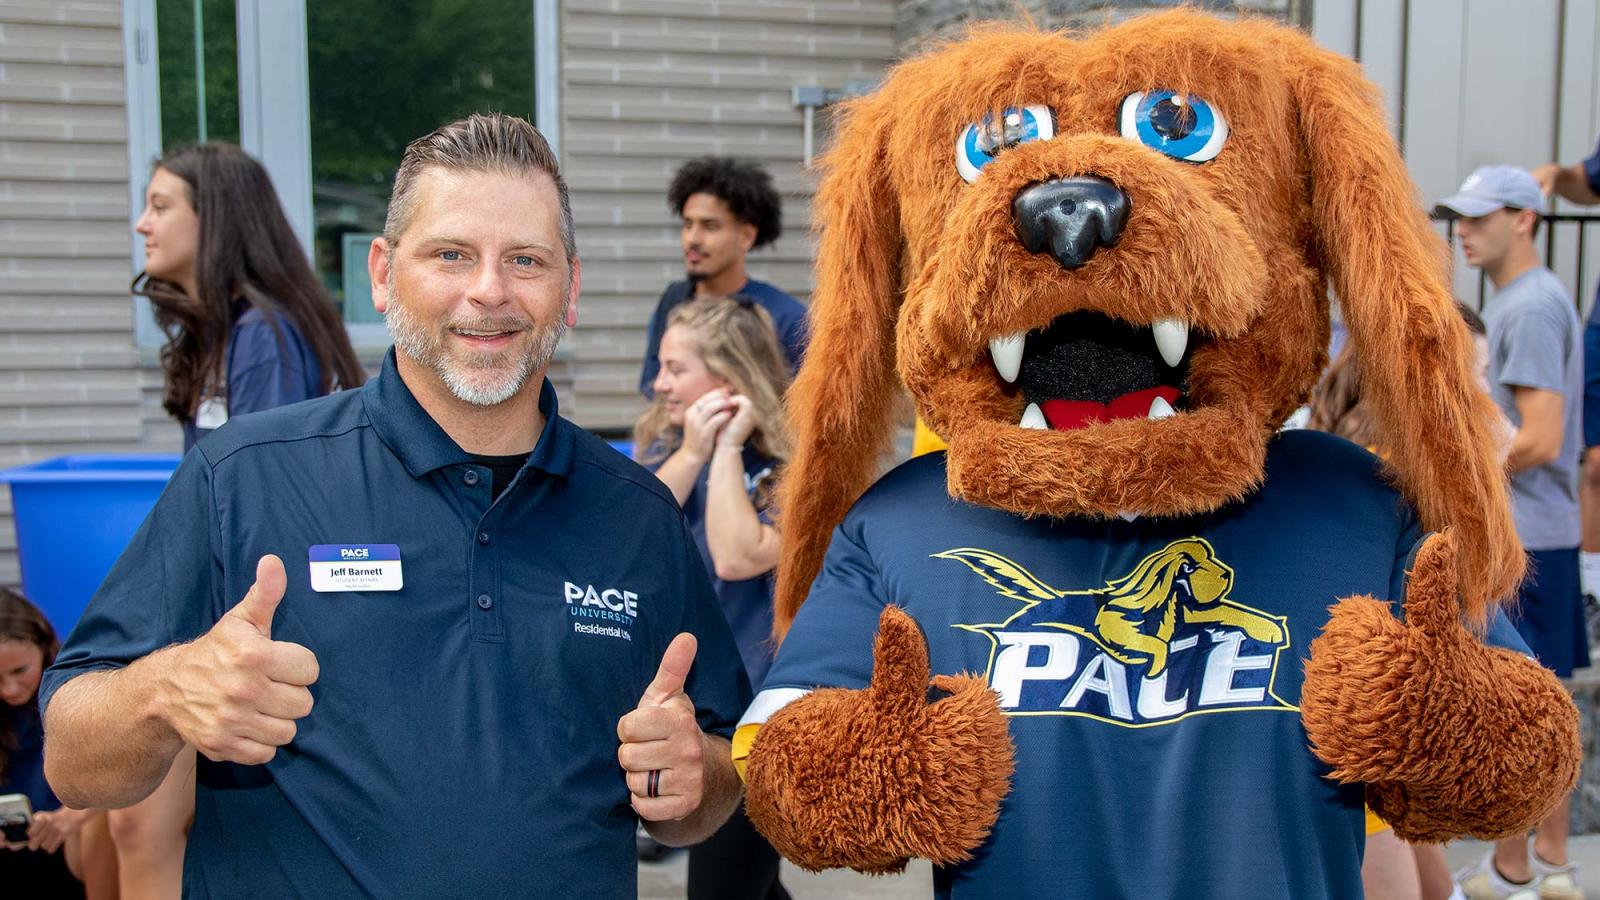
x=1186, y=128
x=979, y=143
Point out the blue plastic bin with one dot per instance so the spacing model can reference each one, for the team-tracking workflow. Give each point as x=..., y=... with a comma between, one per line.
x=75, y=515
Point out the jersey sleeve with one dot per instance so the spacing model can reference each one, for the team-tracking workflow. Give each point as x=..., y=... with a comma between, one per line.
x=1500, y=633
x=717, y=682
x=1591, y=170
x=167, y=587
x=830, y=643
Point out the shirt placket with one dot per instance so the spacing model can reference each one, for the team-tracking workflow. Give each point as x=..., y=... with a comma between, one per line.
x=483, y=592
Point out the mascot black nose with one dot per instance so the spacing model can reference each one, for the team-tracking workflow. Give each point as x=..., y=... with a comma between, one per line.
x=1070, y=217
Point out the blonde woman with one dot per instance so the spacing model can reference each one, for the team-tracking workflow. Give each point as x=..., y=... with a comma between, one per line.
x=714, y=435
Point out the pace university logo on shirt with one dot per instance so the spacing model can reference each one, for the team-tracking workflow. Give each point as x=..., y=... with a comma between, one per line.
x=1164, y=642
x=606, y=611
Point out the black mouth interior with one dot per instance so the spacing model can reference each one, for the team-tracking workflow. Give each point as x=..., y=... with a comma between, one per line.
x=1089, y=356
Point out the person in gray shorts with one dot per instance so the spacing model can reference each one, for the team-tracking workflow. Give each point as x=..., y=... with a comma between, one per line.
x=1536, y=377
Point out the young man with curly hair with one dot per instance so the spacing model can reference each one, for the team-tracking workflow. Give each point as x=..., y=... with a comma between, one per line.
x=729, y=207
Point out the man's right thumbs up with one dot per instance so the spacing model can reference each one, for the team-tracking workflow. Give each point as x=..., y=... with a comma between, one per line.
x=235, y=694
x=259, y=605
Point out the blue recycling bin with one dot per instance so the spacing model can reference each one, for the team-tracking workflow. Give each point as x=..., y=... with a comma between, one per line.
x=74, y=517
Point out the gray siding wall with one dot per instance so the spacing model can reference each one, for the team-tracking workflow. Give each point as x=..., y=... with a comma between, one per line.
x=69, y=374
x=647, y=84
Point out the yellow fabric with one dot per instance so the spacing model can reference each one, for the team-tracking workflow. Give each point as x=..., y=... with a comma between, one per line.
x=743, y=737
x=1374, y=824
x=925, y=441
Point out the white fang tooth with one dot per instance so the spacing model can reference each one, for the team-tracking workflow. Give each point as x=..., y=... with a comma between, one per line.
x=1160, y=409
x=1172, y=338
x=1032, y=417
x=1007, y=354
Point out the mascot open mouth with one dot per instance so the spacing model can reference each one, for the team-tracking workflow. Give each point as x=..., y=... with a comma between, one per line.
x=1087, y=368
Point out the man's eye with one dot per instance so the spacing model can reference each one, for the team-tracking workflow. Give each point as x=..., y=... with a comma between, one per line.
x=523, y=260
x=450, y=255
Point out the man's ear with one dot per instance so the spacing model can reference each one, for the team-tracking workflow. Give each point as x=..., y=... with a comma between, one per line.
x=747, y=236
x=379, y=257
x=574, y=286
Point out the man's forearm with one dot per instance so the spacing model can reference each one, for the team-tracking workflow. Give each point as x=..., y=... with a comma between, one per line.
x=106, y=743
x=719, y=797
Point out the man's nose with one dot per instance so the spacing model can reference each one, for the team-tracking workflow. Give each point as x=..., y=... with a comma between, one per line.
x=489, y=286
x=1070, y=218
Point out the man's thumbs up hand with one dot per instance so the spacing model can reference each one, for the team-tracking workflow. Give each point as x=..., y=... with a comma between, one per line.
x=234, y=694
x=662, y=749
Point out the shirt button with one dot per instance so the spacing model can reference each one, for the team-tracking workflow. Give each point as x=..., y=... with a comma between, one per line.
x=483, y=537
x=471, y=478
x=485, y=601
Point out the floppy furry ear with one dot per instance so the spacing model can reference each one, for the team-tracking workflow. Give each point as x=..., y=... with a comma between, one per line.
x=1388, y=267
x=840, y=404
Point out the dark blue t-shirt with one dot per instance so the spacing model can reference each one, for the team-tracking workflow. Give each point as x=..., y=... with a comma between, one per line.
x=1151, y=671
x=788, y=316
x=266, y=367
x=746, y=604
x=24, y=766
x=464, y=741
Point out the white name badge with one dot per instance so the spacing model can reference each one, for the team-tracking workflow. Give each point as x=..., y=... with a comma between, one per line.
x=212, y=414
x=355, y=567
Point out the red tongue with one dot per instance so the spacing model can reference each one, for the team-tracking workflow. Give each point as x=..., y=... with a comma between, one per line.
x=1065, y=415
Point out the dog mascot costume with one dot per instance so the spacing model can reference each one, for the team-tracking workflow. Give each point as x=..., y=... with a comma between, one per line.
x=1190, y=645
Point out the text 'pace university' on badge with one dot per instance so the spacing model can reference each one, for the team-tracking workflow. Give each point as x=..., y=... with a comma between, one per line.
x=355, y=567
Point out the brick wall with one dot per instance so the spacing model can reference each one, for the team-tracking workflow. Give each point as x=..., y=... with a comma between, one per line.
x=69, y=374
x=647, y=84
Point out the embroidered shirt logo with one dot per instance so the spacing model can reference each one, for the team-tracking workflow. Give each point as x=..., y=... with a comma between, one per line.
x=1164, y=642
x=613, y=605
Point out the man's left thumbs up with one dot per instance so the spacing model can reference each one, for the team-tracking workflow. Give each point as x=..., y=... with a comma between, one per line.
x=662, y=750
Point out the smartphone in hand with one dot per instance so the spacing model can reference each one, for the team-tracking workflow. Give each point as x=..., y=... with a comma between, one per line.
x=16, y=816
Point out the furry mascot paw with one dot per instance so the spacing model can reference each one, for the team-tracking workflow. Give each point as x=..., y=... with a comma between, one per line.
x=868, y=779
x=1451, y=737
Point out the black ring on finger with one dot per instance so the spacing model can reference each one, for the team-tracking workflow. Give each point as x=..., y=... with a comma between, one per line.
x=653, y=784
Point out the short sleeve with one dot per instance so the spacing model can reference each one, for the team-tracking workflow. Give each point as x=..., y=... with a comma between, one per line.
x=265, y=370
x=1500, y=633
x=1535, y=344
x=795, y=335
x=830, y=642
x=652, y=341
x=717, y=683
x=1591, y=170
x=165, y=588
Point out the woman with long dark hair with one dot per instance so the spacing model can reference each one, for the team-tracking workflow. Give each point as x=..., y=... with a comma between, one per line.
x=248, y=325
x=63, y=846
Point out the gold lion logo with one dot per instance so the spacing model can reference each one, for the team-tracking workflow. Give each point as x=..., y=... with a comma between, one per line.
x=1135, y=616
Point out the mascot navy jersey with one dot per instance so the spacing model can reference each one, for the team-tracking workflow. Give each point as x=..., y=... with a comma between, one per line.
x=1150, y=670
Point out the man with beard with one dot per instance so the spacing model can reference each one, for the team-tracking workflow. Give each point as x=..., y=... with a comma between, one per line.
x=496, y=616
x=728, y=207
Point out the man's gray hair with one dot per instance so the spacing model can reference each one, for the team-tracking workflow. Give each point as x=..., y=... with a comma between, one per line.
x=492, y=142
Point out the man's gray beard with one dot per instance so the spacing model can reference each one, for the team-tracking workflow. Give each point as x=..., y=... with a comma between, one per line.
x=427, y=350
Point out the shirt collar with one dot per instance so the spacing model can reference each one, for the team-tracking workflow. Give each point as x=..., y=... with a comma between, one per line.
x=422, y=446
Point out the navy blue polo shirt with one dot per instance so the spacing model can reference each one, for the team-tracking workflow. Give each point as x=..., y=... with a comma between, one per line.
x=788, y=317
x=463, y=741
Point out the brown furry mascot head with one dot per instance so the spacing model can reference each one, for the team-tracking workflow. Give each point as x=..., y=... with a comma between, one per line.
x=1160, y=208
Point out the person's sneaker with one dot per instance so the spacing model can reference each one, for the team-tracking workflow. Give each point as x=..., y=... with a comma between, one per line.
x=1554, y=882
x=1482, y=881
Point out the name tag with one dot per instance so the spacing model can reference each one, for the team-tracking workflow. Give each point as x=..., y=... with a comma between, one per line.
x=355, y=567
x=212, y=413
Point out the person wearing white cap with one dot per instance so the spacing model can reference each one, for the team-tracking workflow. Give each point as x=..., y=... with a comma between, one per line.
x=1536, y=377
